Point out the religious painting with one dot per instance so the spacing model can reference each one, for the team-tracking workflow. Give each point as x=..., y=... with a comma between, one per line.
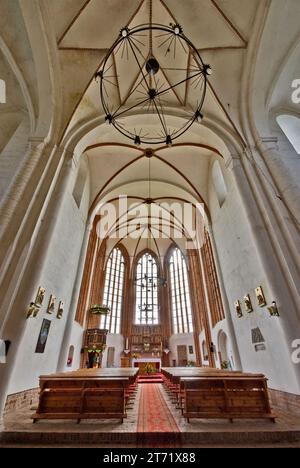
x=51, y=304
x=260, y=297
x=60, y=310
x=257, y=336
x=40, y=297
x=43, y=336
x=248, y=304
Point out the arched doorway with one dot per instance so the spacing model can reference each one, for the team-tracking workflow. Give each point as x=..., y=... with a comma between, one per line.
x=223, y=350
x=70, y=356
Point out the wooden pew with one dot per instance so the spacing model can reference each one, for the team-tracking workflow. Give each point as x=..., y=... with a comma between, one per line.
x=227, y=398
x=213, y=393
x=86, y=394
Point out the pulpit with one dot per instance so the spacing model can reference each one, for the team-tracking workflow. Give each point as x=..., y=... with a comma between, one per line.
x=94, y=345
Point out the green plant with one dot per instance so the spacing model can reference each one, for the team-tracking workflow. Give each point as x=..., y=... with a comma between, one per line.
x=100, y=348
x=191, y=364
x=97, y=309
x=149, y=368
x=225, y=365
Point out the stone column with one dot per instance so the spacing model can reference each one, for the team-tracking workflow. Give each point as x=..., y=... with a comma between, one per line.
x=22, y=220
x=265, y=243
x=97, y=285
x=279, y=193
x=19, y=196
x=283, y=165
x=16, y=320
x=201, y=319
x=85, y=280
x=126, y=321
x=227, y=309
x=165, y=313
x=76, y=296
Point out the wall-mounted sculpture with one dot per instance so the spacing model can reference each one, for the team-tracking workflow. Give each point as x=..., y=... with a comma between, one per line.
x=34, y=307
x=60, y=310
x=51, y=304
x=238, y=309
x=273, y=310
x=260, y=297
x=248, y=304
x=32, y=310
x=40, y=296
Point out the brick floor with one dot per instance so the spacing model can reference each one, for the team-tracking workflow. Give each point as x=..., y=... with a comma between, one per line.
x=19, y=429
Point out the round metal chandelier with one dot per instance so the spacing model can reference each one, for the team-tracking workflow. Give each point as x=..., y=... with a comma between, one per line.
x=162, y=66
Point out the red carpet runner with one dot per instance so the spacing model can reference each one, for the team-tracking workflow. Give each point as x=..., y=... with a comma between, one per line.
x=154, y=414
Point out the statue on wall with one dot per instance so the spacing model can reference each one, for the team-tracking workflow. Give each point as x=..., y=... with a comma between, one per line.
x=238, y=309
x=248, y=304
x=60, y=310
x=32, y=310
x=51, y=304
x=260, y=297
x=40, y=296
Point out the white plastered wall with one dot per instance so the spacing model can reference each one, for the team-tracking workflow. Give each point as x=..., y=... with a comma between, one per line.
x=57, y=277
x=184, y=339
x=242, y=273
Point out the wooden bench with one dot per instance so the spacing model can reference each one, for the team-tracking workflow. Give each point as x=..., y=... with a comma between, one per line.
x=226, y=397
x=70, y=403
x=86, y=394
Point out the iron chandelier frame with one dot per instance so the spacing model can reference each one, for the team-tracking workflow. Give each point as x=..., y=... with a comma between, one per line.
x=129, y=42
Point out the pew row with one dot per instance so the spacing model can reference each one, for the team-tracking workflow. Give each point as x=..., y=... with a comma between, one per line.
x=86, y=394
x=214, y=394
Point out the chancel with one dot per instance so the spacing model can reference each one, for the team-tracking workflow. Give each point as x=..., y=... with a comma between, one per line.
x=150, y=213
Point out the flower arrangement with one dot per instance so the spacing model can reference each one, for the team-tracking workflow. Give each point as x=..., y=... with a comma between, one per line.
x=191, y=364
x=225, y=365
x=148, y=368
x=99, y=349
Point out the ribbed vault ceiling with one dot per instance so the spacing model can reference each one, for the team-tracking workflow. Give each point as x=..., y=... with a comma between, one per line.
x=85, y=30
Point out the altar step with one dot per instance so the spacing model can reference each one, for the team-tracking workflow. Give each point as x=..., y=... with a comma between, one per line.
x=150, y=378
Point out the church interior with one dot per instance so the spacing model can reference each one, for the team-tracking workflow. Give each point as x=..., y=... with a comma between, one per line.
x=150, y=223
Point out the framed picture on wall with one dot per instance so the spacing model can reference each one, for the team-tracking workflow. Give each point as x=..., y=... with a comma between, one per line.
x=191, y=350
x=43, y=336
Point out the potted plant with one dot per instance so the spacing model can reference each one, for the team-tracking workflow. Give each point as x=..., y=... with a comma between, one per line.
x=225, y=365
x=97, y=309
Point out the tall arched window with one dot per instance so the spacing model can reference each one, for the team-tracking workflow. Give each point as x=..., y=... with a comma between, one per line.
x=146, y=291
x=113, y=291
x=180, y=294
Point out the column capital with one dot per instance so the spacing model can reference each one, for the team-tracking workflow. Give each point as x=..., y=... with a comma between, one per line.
x=267, y=143
x=36, y=140
x=234, y=161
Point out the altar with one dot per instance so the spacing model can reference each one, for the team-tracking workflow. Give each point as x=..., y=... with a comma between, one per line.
x=141, y=362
